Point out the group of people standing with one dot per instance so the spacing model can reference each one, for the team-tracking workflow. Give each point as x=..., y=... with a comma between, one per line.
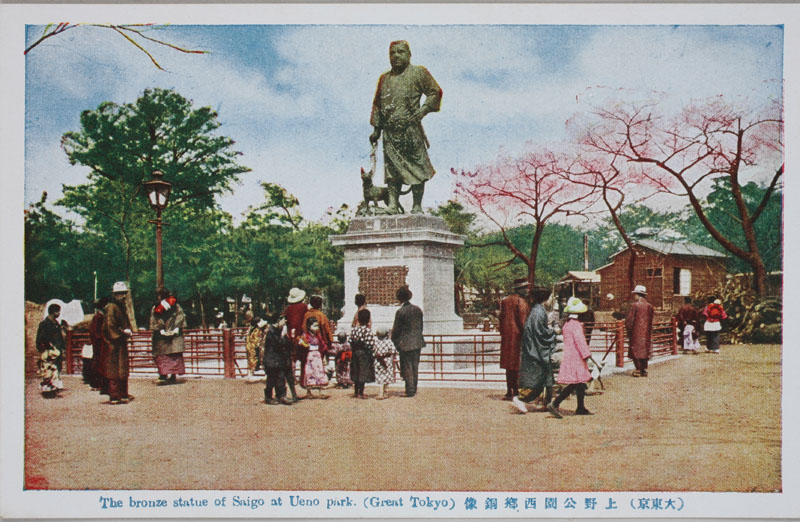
x=109, y=332
x=106, y=367
x=528, y=341
x=691, y=321
x=302, y=332
x=527, y=344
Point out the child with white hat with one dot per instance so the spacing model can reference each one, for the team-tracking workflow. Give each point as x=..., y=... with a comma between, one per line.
x=574, y=371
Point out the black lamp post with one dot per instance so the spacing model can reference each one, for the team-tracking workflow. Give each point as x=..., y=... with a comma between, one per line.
x=157, y=191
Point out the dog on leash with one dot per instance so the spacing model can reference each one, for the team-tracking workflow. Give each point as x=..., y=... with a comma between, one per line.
x=374, y=194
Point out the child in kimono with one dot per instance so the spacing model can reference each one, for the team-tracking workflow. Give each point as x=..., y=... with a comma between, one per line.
x=342, y=355
x=314, y=377
x=691, y=341
x=48, y=369
x=385, y=352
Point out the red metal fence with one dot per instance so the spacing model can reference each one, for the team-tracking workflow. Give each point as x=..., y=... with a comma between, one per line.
x=465, y=357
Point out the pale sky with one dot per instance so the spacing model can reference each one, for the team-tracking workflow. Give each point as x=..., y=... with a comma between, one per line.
x=297, y=98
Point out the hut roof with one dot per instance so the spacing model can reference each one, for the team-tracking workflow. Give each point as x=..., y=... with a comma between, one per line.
x=580, y=275
x=675, y=248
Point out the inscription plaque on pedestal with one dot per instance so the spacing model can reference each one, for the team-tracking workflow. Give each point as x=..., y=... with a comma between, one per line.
x=379, y=285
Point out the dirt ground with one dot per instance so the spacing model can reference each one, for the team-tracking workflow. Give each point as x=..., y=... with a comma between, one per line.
x=697, y=423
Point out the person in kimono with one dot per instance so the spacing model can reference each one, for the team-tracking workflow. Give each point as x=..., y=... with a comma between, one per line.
x=538, y=342
x=314, y=377
x=686, y=316
x=714, y=314
x=51, y=347
x=361, y=304
x=574, y=371
x=362, y=343
x=342, y=354
x=385, y=353
x=50, y=335
x=167, y=322
x=252, y=342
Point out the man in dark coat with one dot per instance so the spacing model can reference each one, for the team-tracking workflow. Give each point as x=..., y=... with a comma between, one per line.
x=99, y=346
x=639, y=325
x=277, y=347
x=407, y=337
x=514, y=310
x=99, y=350
x=49, y=334
x=116, y=332
x=538, y=342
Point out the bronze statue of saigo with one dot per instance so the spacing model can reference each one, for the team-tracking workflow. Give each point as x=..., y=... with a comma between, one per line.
x=397, y=114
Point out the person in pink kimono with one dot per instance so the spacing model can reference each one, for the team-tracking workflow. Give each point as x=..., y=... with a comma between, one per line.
x=574, y=371
x=314, y=377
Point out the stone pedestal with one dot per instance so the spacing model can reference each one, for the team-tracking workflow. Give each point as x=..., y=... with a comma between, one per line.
x=381, y=253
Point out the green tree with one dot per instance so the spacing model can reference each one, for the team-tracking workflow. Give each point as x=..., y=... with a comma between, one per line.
x=458, y=219
x=461, y=222
x=721, y=210
x=123, y=145
x=56, y=257
x=285, y=250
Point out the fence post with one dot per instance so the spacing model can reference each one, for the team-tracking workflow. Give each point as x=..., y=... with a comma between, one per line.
x=227, y=354
x=674, y=336
x=620, y=344
x=68, y=355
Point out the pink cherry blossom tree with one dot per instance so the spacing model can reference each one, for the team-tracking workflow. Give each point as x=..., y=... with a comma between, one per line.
x=532, y=188
x=684, y=153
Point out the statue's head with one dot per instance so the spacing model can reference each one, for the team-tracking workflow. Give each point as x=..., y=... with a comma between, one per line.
x=399, y=54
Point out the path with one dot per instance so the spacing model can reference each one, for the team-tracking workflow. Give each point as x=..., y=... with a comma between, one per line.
x=698, y=423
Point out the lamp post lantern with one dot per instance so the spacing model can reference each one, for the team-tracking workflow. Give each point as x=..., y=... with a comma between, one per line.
x=157, y=191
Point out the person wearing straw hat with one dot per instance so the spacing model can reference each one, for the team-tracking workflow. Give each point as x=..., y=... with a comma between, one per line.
x=574, y=371
x=514, y=309
x=116, y=332
x=295, y=312
x=639, y=325
x=538, y=342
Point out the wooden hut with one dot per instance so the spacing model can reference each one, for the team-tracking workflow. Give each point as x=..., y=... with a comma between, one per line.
x=671, y=270
x=579, y=283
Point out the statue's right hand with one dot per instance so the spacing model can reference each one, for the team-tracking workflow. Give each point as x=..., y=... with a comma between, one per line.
x=375, y=136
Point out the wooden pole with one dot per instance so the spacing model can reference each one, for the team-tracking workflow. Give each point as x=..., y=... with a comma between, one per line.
x=620, y=344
